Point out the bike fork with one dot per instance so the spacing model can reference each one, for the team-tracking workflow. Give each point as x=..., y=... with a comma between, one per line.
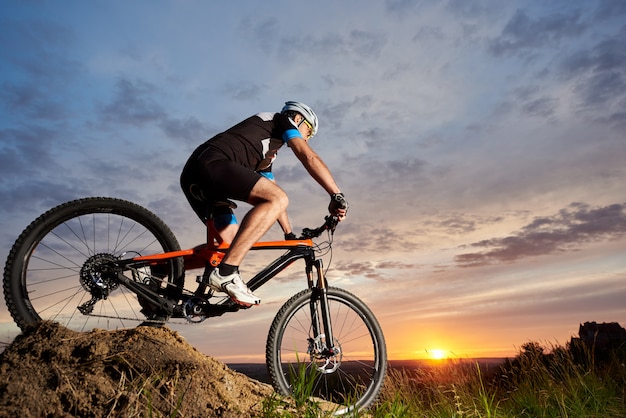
x=321, y=325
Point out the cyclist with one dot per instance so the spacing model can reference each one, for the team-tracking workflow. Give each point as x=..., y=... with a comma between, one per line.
x=237, y=164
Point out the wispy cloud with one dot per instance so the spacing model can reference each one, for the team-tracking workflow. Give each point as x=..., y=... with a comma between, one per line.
x=133, y=104
x=599, y=77
x=566, y=231
x=379, y=271
x=524, y=34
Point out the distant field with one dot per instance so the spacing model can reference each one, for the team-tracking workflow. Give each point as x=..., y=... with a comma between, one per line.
x=258, y=371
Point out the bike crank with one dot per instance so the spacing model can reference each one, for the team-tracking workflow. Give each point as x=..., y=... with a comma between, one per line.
x=194, y=309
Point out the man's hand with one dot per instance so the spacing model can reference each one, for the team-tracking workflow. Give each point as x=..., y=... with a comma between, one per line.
x=338, y=205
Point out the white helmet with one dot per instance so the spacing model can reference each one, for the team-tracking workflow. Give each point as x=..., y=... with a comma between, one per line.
x=305, y=111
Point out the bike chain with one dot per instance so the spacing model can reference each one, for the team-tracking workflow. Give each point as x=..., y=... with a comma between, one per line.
x=146, y=321
x=183, y=321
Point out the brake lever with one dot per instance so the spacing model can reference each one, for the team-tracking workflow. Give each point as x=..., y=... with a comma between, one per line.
x=329, y=224
x=308, y=233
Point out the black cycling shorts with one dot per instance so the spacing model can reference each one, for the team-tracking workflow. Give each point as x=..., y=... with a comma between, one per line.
x=205, y=182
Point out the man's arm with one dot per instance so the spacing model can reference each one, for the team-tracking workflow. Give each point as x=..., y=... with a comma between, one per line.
x=314, y=165
x=320, y=172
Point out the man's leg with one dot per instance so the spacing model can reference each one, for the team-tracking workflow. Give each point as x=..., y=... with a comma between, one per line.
x=268, y=201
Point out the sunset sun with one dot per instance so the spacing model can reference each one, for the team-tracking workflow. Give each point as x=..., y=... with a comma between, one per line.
x=437, y=354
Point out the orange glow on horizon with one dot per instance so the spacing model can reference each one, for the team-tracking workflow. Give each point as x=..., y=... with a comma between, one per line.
x=437, y=354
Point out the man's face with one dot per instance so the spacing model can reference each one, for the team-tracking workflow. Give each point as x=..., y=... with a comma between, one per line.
x=305, y=128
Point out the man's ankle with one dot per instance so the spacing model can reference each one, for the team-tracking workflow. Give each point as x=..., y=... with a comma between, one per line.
x=227, y=269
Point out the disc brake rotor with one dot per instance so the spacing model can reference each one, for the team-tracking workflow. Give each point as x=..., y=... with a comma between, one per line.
x=328, y=361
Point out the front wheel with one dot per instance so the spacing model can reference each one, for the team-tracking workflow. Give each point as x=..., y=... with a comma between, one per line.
x=349, y=371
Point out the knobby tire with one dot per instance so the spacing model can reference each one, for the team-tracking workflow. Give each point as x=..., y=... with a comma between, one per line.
x=42, y=275
x=354, y=377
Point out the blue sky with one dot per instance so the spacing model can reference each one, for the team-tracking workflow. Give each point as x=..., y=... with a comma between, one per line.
x=480, y=144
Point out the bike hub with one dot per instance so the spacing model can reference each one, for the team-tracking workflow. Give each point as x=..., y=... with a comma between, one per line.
x=93, y=275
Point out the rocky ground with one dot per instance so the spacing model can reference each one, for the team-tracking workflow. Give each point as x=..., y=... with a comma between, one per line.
x=52, y=371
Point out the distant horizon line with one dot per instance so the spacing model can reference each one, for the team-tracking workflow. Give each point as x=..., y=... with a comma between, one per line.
x=426, y=360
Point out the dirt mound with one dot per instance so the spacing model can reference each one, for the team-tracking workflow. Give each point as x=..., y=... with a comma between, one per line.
x=145, y=371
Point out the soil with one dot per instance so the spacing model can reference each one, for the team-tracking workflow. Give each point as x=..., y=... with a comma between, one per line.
x=51, y=371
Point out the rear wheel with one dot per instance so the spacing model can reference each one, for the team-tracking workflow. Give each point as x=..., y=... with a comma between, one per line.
x=349, y=371
x=57, y=264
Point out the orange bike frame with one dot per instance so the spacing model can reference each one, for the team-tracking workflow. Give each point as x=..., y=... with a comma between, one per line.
x=212, y=253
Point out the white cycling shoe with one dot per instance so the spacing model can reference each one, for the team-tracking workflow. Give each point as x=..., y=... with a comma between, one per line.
x=234, y=286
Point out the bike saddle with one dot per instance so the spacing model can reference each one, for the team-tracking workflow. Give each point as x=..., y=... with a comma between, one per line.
x=198, y=194
x=223, y=202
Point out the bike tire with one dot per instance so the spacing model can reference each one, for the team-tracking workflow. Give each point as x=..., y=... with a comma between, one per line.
x=42, y=275
x=357, y=373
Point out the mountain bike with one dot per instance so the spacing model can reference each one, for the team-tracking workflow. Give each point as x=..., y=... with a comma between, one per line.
x=108, y=263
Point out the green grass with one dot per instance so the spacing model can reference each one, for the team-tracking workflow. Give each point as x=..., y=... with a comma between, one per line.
x=564, y=382
x=301, y=404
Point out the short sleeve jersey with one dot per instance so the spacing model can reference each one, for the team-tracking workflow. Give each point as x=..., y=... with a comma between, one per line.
x=254, y=142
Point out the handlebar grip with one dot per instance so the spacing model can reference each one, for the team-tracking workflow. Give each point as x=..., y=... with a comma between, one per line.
x=329, y=224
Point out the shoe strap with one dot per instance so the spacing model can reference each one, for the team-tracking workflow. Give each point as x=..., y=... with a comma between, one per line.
x=223, y=285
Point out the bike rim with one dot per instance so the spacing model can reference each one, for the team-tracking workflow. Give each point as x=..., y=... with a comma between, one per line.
x=352, y=376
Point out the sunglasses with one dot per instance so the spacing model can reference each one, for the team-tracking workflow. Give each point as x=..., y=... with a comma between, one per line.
x=310, y=128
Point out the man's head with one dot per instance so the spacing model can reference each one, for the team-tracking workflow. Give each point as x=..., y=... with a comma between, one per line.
x=292, y=108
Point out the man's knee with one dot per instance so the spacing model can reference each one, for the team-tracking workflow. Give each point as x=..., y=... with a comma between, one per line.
x=284, y=200
x=279, y=199
x=267, y=191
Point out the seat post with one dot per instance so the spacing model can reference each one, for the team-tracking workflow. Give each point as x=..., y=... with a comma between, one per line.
x=213, y=237
x=216, y=207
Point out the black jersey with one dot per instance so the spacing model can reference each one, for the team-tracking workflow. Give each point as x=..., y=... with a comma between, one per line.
x=252, y=143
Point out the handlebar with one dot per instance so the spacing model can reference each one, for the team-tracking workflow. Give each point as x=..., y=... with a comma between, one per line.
x=329, y=225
